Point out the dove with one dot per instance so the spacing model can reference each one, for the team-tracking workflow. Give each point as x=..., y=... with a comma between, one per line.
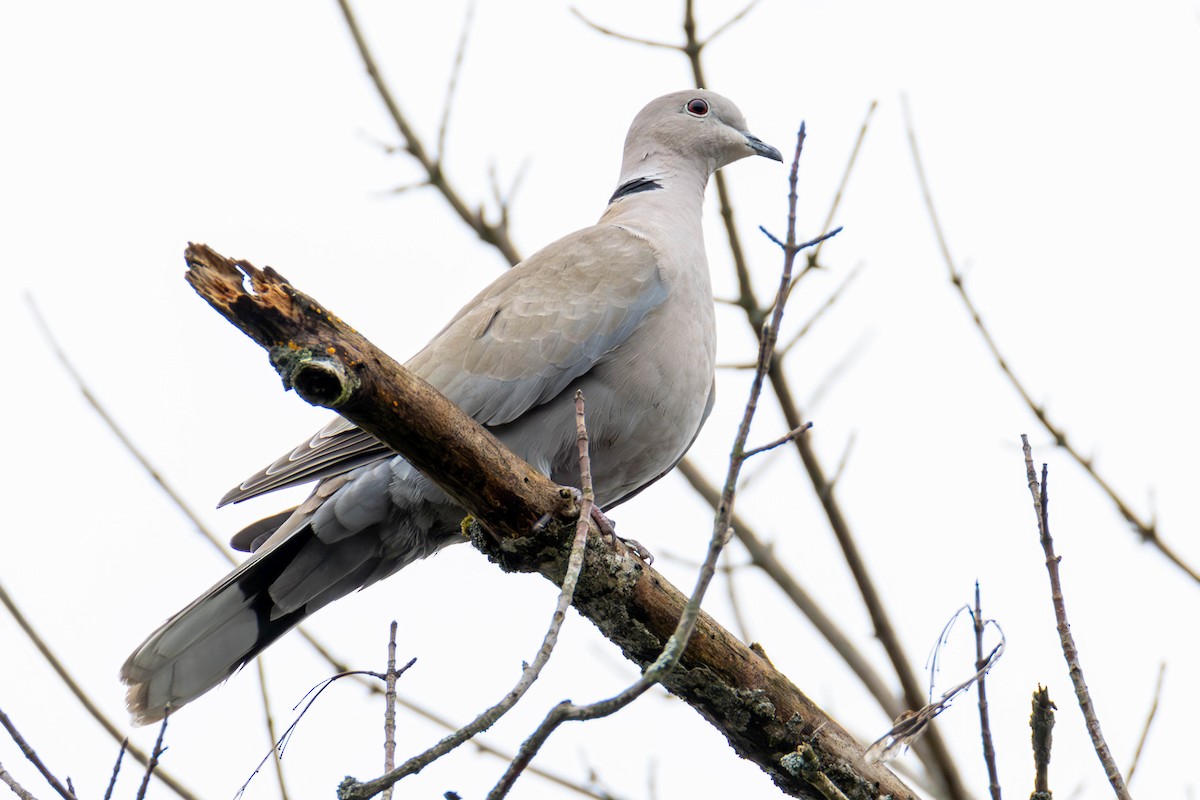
x=622, y=310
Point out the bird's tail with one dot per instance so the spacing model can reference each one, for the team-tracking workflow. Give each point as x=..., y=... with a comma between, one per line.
x=213, y=637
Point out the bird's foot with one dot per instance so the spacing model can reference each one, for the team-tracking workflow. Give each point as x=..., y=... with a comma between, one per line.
x=609, y=528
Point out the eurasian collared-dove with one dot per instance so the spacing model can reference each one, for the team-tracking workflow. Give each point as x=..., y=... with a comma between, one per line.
x=622, y=310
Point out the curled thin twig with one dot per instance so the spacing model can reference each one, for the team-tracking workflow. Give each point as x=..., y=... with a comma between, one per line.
x=910, y=725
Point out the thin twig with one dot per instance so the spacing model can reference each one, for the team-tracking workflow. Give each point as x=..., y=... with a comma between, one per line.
x=353, y=790
x=985, y=728
x=622, y=36
x=269, y=719
x=17, y=789
x=112, y=781
x=762, y=555
x=389, y=712
x=338, y=665
x=782, y=440
x=167, y=489
x=1137, y=753
x=755, y=314
x=32, y=757
x=154, y=755
x=735, y=606
x=911, y=725
x=494, y=234
x=1041, y=501
x=1147, y=529
x=452, y=86
x=816, y=316
x=729, y=23
x=83, y=698
x=837, y=195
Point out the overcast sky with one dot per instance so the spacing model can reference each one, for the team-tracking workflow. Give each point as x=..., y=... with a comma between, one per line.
x=1060, y=142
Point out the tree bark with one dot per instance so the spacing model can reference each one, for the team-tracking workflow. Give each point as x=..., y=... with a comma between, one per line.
x=524, y=522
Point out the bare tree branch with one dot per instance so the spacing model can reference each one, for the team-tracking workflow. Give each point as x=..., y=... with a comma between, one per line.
x=493, y=234
x=1041, y=502
x=83, y=698
x=1147, y=529
x=17, y=789
x=269, y=719
x=389, y=712
x=722, y=527
x=112, y=781
x=942, y=763
x=762, y=555
x=985, y=727
x=452, y=86
x=32, y=757
x=622, y=36
x=1137, y=753
x=815, y=255
x=633, y=605
x=338, y=665
x=155, y=754
x=353, y=790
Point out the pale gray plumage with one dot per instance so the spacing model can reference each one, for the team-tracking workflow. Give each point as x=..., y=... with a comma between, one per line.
x=622, y=310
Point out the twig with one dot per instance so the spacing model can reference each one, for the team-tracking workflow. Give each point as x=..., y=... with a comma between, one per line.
x=82, y=697
x=911, y=725
x=452, y=85
x=154, y=755
x=389, y=713
x=1041, y=720
x=762, y=555
x=494, y=234
x=782, y=440
x=17, y=789
x=622, y=36
x=809, y=323
x=735, y=606
x=116, y=430
x=1147, y=529
x=1137, y=753
x=1041, y=501
x=112, y=782
x=985, y=728
x=32, y=756
x=691, y=44
x=176, y=498
x=755, y=315
x=837, y=196
x=729, y=23
x=805, y=762
x=351, y=789
x=269, y=719
x=308, y=701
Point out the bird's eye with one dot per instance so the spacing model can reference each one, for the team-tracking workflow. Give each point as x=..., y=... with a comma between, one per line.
x=698, y=107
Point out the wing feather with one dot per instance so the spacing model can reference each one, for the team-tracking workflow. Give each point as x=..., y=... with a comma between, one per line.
x=519, y=343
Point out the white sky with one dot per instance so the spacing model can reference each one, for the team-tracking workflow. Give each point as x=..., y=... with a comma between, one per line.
x=1060, y=140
